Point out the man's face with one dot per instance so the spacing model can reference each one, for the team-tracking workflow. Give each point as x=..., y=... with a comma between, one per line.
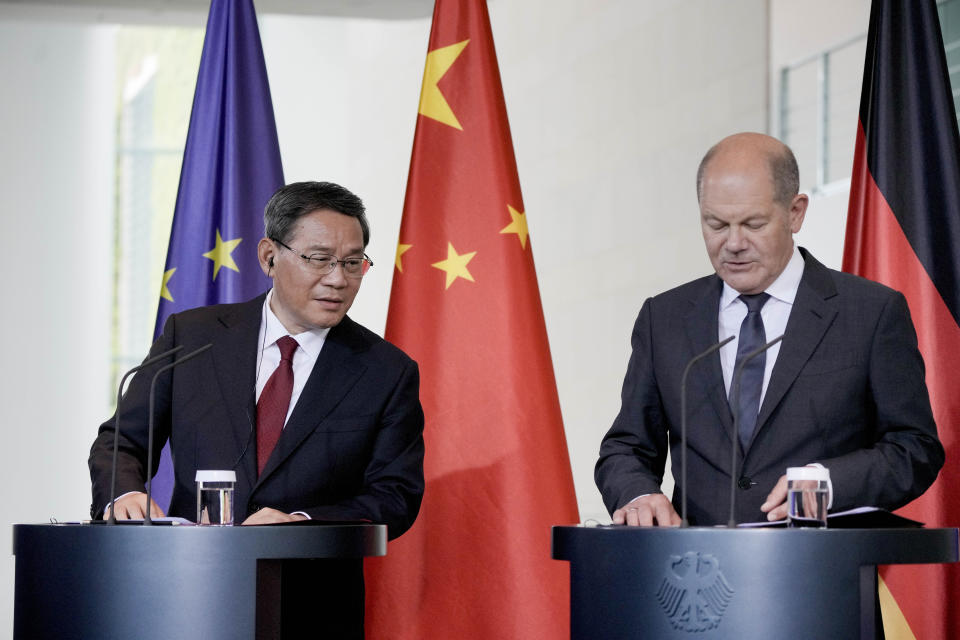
x=749, y=236
x=303, y=299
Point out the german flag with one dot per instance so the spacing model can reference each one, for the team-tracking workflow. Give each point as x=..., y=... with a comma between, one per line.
x=903, y=229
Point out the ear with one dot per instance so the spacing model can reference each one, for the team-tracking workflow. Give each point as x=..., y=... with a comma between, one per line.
x=266, y=251
x=798, y=209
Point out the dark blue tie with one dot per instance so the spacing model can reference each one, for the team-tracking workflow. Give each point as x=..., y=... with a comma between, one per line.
x=752, y=336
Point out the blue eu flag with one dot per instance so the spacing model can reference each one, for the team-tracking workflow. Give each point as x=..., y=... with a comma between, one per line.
x=231, y=167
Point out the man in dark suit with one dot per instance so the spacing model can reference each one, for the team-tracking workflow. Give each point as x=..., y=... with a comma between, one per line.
x=319, y=417
x=844, y=389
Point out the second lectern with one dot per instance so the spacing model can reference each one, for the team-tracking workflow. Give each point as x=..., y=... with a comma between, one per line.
x=734, y=583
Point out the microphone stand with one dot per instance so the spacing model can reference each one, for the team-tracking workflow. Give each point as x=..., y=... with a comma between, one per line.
x=116, y=424
x=683, y=426
x=153, y=386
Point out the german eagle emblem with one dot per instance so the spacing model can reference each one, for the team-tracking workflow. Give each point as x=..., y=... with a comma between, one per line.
x=693, y=593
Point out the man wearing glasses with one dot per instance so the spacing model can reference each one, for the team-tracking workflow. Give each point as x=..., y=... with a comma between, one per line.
x=320, y=417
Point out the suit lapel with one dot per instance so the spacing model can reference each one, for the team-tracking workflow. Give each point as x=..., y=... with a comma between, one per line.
x=335, y=372
x=702, y=327
x=235, y=361
x=811, y=316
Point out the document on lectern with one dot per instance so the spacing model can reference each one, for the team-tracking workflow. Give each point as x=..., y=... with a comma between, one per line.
x=859, y=518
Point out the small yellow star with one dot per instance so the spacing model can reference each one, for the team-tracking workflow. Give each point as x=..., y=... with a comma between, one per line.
x=164, y=291
x=401, y=249
x=220, y=254
x=455, y=265
x=432, y=103
x=517, y=226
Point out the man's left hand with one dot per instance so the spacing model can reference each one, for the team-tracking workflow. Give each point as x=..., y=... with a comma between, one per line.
x=776, y=505
x=272, y=516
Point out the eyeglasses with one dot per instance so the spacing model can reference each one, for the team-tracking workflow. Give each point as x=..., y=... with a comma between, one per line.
x=324, y=264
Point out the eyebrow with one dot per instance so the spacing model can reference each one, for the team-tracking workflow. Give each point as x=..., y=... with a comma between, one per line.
x=751, y=217
x=329, y=251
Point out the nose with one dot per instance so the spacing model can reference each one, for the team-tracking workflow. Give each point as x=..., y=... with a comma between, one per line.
x=336, y=278
x=736, y=240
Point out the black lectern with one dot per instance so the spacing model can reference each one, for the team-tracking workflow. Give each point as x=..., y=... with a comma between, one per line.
x=83, y=581
x=734, y=583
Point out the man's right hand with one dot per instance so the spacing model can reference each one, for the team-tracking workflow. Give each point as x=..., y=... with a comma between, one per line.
x=133, y=506
x=647, y=511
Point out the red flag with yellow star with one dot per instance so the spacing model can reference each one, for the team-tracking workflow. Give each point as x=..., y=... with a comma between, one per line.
x=465, y=304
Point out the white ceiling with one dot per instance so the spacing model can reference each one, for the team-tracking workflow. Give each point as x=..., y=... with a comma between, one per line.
x=176, y=10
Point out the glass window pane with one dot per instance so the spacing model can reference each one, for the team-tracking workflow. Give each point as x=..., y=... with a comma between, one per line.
x=156, y=72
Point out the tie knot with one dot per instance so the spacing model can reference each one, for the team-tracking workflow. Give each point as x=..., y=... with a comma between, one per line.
x=754, y=301
x=287, y=347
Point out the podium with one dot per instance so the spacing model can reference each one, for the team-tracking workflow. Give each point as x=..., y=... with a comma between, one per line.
x=734, y=583
x=129, y=581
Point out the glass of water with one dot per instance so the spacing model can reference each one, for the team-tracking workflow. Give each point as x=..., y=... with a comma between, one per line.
x=808, y=494
x=215, y=497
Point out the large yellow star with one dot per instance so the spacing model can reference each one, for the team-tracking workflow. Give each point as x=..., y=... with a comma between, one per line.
x=220, y=254
x=401, y=249
x=455, y=265
x=432, y=103
x=517, y=226
x=164, y=291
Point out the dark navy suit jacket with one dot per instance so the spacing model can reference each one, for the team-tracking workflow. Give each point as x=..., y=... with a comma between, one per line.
x=847, y=391
x=351, y=449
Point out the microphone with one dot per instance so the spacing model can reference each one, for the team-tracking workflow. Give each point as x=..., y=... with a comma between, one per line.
x=683, y=425
x=735, y=387
x=116, y=424
x=153, y=388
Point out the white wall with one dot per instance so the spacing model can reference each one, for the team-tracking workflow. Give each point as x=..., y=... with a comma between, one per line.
x=797, y=31
x=345, y=94
x=611, y=104
x=56, y=202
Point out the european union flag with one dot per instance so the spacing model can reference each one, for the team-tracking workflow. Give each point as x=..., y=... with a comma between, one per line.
x=231, y=167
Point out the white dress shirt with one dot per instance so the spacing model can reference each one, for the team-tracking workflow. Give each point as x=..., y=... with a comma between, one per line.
x=268, y=356
x=775, y=314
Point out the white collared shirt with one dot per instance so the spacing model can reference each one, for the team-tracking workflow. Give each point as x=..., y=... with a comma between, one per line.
x=775, y=314
x=268, y=356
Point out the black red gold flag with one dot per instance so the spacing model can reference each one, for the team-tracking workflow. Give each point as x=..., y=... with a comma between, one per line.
x=903, y=229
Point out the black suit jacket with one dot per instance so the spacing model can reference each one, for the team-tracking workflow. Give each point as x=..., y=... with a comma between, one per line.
x=847, y=391
x=351, y=449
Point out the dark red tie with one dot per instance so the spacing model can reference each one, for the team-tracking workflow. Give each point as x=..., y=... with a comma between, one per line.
x=274, y=403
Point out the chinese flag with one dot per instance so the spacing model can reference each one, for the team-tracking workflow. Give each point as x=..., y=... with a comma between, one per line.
x=465, y=304
x=903, y=229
